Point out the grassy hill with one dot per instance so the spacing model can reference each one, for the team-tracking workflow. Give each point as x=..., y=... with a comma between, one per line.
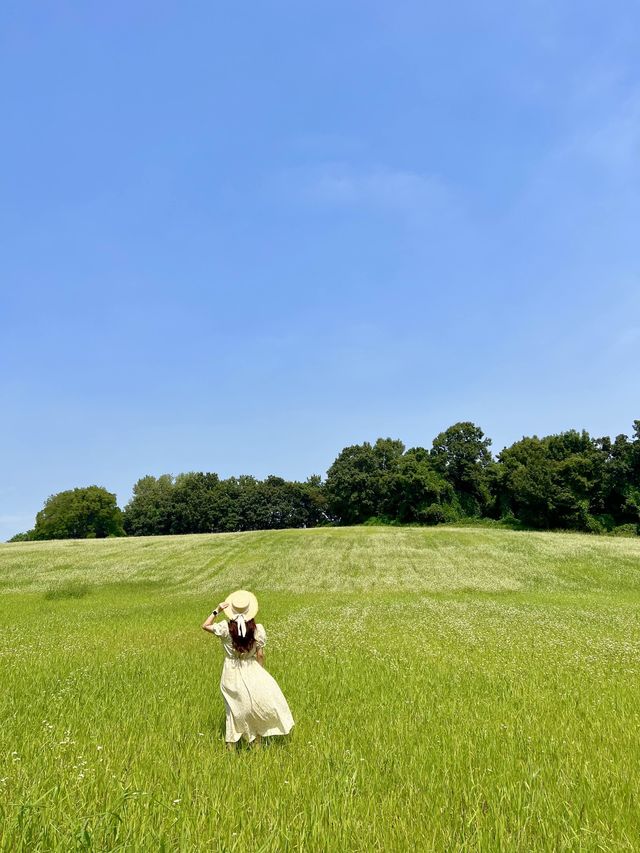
x=453, y=689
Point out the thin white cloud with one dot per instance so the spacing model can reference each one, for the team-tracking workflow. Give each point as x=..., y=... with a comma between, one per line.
x=631, y=336
x=328, y=145
x=591, y=173
x=615, y=144
x=10, y=524
x=15, y=519
x=380, y=189
x=628, y=339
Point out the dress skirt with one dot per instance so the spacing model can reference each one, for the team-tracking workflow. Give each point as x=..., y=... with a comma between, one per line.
x=254, y=703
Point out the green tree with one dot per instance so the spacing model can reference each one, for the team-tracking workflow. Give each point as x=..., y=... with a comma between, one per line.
x=90, y=512
x=148, y=513
x=416, y=488
x=554, y=482
x=633, y=495
x=577, y=471
x=525, y=482
x=314, y=499
x=254, y=511
x=197, y=504
x=27, y=536
x=461, y=454
x=360, y=478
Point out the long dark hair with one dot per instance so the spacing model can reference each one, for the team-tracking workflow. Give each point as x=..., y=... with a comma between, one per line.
x=246, y=643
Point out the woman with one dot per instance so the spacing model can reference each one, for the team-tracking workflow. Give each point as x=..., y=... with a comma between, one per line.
x=254, y=703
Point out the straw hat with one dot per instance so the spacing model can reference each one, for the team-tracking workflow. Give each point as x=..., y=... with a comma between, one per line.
x=241, y=603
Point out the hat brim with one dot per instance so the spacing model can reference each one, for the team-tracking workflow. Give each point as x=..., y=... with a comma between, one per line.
x=230, y=611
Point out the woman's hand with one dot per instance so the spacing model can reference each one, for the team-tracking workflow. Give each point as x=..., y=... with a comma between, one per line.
x=209, y=620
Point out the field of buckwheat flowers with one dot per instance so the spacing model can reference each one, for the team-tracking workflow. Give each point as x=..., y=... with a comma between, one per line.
x=454, y=689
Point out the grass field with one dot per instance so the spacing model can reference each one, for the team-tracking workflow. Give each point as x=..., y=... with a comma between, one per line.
x=453, y=689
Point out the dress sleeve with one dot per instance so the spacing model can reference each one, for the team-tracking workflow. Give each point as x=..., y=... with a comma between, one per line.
x=220, y=629
x=261, y=636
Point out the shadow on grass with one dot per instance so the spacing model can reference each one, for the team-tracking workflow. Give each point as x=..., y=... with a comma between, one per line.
x=216, y=723
x=67, y=589
x=138, y=584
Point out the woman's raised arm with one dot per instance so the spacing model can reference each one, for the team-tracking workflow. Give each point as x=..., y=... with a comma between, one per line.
x=206, y=625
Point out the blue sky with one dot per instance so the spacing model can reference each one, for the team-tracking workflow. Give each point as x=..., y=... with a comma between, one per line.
x=238, y=237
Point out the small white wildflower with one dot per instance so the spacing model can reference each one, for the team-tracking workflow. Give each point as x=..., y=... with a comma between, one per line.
x=98, y=747
x=175, y=802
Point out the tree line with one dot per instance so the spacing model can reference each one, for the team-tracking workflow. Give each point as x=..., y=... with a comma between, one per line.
x=566, y=481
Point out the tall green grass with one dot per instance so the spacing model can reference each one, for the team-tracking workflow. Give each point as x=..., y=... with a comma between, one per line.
x=453, y=689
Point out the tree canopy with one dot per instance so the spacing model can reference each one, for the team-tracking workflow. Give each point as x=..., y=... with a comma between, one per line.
x=87, y=513
x=569, y=480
